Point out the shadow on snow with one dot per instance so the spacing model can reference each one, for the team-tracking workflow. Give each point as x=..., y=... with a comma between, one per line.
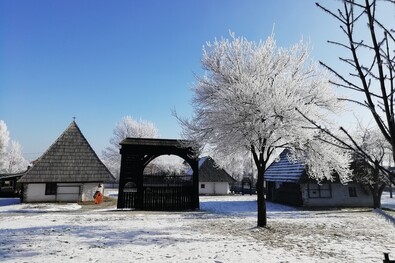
x=244, y=208
x=25, y=242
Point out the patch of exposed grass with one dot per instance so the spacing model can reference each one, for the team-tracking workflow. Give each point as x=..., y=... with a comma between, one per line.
x=107, y=202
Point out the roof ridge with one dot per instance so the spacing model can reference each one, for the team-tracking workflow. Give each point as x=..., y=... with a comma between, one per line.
x=90, y=147
x=56, y=140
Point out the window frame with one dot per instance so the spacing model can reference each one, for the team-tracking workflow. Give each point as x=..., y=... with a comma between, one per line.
x=51, y=188
x=7, y=184
x=320, y=189
x=352, y=191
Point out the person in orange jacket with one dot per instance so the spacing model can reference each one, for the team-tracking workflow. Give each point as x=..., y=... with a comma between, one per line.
x=98, y=196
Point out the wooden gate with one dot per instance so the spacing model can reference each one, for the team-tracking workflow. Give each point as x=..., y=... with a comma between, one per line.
x=161, y=193
x=129, y=199
x=140, y=191
x=161, y=198
x=167, y=198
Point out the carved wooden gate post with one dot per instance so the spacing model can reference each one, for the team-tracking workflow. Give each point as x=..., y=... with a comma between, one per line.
x=195, y=197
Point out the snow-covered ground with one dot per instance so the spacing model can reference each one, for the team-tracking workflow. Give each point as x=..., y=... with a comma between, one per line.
x=223, y=231
x=387, y=202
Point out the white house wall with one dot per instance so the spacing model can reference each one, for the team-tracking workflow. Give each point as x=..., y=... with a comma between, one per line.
x=214, y=188
x=36, y=193
x=208, y=188
x=340, y=197
x=66, y=192
x=221, y=188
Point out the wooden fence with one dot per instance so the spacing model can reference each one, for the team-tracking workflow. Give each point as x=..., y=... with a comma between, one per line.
x=159, y=194
x=129, y=199
x=167, y=198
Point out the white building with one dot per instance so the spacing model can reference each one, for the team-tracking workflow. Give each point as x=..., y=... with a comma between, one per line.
x=69, y=171
x=212, y=179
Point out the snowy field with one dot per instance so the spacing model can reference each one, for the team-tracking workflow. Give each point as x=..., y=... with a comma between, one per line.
x=223, y=231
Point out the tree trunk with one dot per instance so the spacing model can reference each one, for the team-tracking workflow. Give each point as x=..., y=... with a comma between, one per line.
x=376, y=200
x=377, y=191
x=262, y=220
x=377, y=188
x=260, y=163
x=377, y=195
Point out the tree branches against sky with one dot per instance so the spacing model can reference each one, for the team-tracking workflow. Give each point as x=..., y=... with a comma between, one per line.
x=255, y=96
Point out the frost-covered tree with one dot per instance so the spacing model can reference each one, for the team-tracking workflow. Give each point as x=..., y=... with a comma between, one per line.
x=369, y=72
x=367, y=170
x=167, y=164
x=250, y=99
x=127, y=127
x=4, y=138
x=14, y=161
x=11, y=158
x=238, y=165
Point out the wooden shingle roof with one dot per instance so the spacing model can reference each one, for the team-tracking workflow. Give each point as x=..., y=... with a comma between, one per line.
x=69, y=159
x=285, y=171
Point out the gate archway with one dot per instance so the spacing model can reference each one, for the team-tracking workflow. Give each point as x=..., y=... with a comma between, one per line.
x=132, y=193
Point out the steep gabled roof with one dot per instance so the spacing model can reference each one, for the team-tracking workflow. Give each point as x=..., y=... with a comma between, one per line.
x=210, y=172
x=69, y=159
x=284, y=170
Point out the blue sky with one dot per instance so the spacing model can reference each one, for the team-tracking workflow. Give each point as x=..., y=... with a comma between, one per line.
x=102, y=60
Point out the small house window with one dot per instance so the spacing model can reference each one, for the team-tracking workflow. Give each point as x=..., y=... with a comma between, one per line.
x=352, y=191
x=202, y=186
x=6, y=184
x=319, y=191
x=50, y=188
